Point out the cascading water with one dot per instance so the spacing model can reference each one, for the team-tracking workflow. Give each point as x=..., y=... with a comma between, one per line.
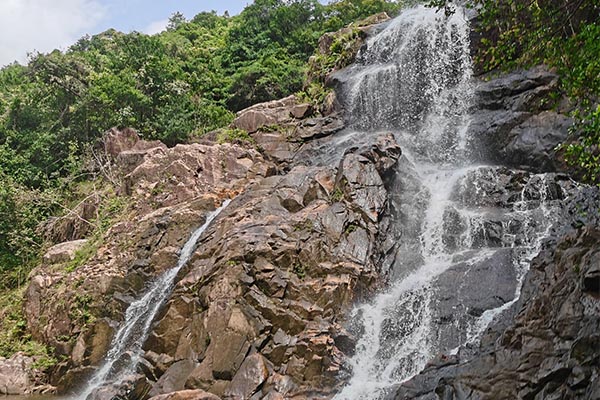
x=125, y=352
x=415, y=78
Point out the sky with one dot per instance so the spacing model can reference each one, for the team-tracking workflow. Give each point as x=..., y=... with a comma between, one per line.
x=44, y=25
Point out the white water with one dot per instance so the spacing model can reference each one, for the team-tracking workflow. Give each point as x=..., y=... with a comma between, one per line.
x=415, y=79
x=125, y=352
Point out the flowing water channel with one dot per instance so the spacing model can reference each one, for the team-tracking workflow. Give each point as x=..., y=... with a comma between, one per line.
x=126, y=347
x=461, y=249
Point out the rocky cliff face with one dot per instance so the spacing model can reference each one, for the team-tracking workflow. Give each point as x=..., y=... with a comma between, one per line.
x=260, y=310
x=545, y=346
x=551, y=348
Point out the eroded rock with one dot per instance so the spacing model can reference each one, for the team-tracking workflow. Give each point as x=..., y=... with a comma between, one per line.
x=19, y=377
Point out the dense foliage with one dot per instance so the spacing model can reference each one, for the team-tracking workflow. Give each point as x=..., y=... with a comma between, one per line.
x=181, y=83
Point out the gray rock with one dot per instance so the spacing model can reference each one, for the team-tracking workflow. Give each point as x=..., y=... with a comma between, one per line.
x=512, y=124
x=63, y=252
x=546, y=352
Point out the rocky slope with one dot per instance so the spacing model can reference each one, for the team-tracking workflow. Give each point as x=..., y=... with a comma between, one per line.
x=259, y=311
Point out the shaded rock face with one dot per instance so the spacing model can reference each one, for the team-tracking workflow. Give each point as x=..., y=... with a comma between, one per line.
x=516, y=124
x=551, y=348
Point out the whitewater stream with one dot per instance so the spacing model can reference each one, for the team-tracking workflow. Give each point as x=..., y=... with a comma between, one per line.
x=414, y=78
x=126, y=347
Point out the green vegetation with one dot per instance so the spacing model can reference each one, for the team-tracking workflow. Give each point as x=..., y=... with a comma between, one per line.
x=173, y=86
x=584, y=152
x=337, y=195
x=13, y=334
x=299, y=270
x=227, y=135
x=564, y=35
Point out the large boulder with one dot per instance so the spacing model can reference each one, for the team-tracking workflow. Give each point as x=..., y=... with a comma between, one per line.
x=516, y=124
x=18, y=376
x=63, y=252
x=272, y=113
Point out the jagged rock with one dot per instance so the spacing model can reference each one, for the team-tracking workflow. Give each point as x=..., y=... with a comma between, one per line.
x=513, y=125
x=63, y=252
x=252, y=373
x=276, y=112
x=170, y=193
x=549, y=348
x=187, y=395
x=173, y=378
x=18, y=377
x=264, y=294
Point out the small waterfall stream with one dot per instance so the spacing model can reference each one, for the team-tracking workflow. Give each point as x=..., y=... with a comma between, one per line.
x=126, y=347
x=414, y=78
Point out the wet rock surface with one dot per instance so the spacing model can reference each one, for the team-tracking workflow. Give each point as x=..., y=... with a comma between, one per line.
x=515, y=122
x=549, y=350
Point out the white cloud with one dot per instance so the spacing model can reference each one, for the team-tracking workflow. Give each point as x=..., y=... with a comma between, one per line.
x=43, y=25
x=156, y=27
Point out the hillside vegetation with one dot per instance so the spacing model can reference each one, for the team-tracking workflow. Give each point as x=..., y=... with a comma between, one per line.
x=173, y=86
x=190, y=79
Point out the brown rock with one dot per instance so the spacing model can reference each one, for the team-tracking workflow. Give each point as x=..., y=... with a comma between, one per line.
x=118, y=140
x=274, y=112
x=16, y=375
x=174, y=378
x=252, y=373
x=229, y=351
x=186, y=395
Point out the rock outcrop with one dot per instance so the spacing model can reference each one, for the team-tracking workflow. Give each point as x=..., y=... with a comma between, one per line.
x=74, y=306
x=516, y=122
x=258, y=310
x=550, y=350
x=19, y=376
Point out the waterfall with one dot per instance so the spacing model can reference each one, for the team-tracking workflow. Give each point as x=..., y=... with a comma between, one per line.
x=126, y=346
x=414, y=78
